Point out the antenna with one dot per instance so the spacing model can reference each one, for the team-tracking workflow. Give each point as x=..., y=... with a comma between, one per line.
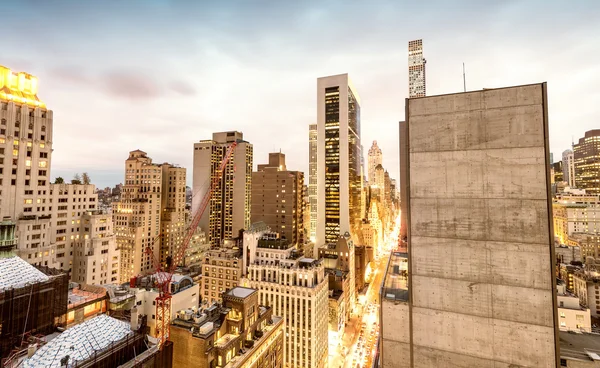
x=464, y=79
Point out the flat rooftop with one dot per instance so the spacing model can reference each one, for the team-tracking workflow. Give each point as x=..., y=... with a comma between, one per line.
x=579, y=346
x=240, y=292
x=16, y=273
x=80, y=342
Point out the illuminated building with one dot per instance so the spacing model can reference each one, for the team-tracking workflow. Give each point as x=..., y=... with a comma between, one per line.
x=312, y=180
x=229, y=208
x=340, y=256
x=241, y=333
x=375, y=159
x=587, y=162
x=172, y=221
x=558, y=171
x=296, y=288
x=25, y=156
x=139, y=213
x=575, y=211
x=416, y=69
x=476, y=248
x=277, y=198
x=339, y=179
x=568, y=166
x=221, y=271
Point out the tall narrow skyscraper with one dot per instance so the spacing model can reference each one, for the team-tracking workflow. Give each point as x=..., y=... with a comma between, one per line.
x=229, y=208
x=375, y=158
x=338, y=159
x=416, y=69
x=312, y=180
x=568, y=164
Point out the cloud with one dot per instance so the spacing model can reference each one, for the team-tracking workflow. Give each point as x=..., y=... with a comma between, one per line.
x=182, y=87
x=130, y=84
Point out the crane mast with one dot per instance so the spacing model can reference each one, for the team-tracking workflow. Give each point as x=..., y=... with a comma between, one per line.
x=163, y=300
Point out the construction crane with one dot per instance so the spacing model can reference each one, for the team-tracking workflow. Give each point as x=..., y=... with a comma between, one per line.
x=163, y=278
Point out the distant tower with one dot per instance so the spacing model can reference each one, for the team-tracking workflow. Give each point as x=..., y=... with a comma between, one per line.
x=416, y=69
x=312, y=180
x=375, y=158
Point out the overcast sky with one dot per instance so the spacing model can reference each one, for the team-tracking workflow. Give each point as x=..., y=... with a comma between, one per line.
x=161, y=75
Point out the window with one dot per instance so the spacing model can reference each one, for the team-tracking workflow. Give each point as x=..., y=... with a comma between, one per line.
x=42, y=164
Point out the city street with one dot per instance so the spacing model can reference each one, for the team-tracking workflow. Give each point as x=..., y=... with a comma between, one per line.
x=360, y=337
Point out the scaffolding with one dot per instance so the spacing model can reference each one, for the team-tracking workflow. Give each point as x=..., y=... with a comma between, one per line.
x=33, y=310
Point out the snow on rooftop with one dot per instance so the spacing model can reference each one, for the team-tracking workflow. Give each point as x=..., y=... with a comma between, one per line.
x=80, y=342
x=240, y=292
x=17, y=273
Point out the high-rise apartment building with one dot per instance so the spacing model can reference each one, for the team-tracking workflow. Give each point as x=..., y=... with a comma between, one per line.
x=586, y=153
x=568, y=166
x=25, y=144
x=96, y=260
x=221, y=271
x=312, y=180
x=296, y=288
x=137, y=215
x=172, y=222
x=454, y=297
x=229, y=208
x=416, y=69
x=339, y=256
x=277, y=198
x=375, y=159
x=339, y=175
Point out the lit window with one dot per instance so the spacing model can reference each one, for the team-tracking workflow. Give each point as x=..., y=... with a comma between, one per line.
x=42, y=164
x=42, y=145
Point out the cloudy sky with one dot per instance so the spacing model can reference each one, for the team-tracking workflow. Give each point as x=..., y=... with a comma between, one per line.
x=161, y=75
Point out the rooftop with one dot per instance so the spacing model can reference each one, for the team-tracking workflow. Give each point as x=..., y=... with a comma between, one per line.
x=80, y=342
x=240, y=292
x=16, y=273
x=580, y=346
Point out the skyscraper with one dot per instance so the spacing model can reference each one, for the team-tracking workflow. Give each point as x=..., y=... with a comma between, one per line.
x=312, y=179
x=416, y=69
x=172, y=221
x=375, y=158
x=229, y=208
x=568, y=165
x=586, y=153
x=137, y=215
x=25, y=145
x=277, y=198
x=477, y=250
x=338, y=159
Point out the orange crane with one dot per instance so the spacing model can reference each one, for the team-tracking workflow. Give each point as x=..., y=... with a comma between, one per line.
x=163, y=300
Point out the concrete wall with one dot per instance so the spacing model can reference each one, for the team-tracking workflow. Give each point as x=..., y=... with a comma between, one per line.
x=479, y=230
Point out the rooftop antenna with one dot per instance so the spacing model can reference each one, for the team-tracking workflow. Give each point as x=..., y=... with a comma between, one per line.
x=464, y=79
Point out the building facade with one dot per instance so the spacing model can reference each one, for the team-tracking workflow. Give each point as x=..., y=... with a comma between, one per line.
x=240, y=334
x=96, y=260
x=312, y=179
x=375, y=158
x=222, y=270
x=137, y=215
x=229, y=208
x=296, y=288
x=430, y=306
x=575, y=211
x=277, y=198
x=340, y=256
x=568, y=166
x=172, y=207
x=339, y=179
x=416, y=69
x=586, y=153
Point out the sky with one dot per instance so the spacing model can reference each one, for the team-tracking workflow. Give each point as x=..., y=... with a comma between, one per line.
x=161, y=75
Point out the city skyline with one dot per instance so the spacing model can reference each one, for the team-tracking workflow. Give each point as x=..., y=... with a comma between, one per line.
x=122, y=76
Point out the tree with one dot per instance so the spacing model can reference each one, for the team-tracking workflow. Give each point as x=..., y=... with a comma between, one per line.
x=76, y=179
x=85, y=178
x=59, y=180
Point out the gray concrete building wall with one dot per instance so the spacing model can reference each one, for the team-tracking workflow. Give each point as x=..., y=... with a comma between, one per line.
x=480, y=238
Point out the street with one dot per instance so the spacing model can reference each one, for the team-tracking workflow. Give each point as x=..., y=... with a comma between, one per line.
x=361, y=333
